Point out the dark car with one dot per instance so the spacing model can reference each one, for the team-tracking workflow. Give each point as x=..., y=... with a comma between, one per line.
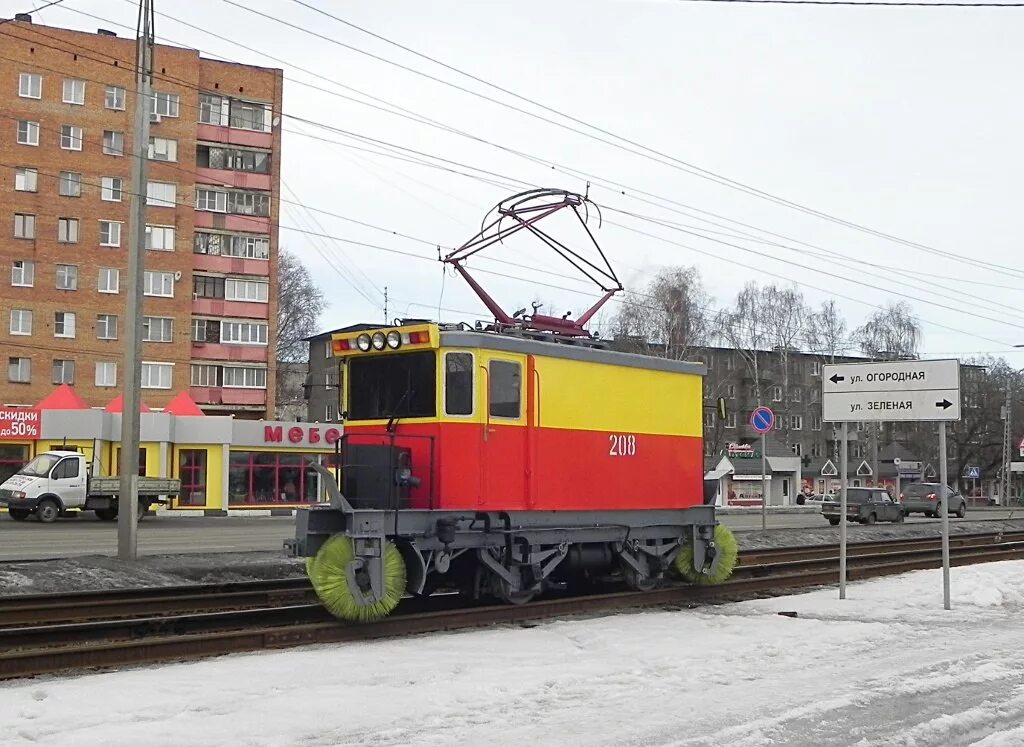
x=866, y=505
x=923, y=497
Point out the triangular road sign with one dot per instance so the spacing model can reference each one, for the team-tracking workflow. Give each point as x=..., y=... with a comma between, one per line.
x=829, y=469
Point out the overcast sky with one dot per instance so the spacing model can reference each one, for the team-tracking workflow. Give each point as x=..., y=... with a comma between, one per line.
x=906, y=121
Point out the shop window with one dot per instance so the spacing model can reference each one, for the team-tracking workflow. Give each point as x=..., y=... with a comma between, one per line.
x=264, y=477
x=142, y=461
x=12, y=458
x=192, y=471
x=458, y=384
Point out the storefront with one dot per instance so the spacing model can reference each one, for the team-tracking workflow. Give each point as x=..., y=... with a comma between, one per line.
x=223, y=464
x=741, y=482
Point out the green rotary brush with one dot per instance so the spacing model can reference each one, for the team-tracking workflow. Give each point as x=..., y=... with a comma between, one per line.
x=328, y=573
x=727, y=552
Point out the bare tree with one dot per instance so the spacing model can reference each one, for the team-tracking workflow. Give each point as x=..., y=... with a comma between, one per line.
x=890, y=333
x=300, y=303
x=745, y=328
x=786, y=314
x=670, y=318
x=825, y=333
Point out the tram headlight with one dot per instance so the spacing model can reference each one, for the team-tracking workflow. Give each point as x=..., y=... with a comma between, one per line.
x=394, y=339
x=378, y=341
x=363, y=342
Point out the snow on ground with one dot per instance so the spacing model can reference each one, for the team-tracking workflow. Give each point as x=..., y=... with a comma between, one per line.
x=887, y=666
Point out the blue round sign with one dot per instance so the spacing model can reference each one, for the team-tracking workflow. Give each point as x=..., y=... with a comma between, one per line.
x=762, y=419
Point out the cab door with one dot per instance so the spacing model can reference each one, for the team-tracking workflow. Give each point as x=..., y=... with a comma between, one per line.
x=67, y=481
x=504, y=438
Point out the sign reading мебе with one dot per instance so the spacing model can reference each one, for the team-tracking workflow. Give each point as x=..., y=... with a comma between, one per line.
x=891, y=390
x=18, y=422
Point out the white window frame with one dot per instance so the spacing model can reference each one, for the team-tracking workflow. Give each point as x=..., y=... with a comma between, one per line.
x=23, y=327
x=23, y=273
x=26, y=179
x=815, y=368
x=106, y=374
x=31, y=132
x=112, y=229
x=20, y=377
x=148, y=368
x=161, y=194
x=211, y=200
x=114, y=98
x=796, y=422
x=165, y=104
x=68, y=230
x=244, y=333
x=111, y=188
x=65, y=321
x=65, y=365
x=214, y=109
x=77, y=94
x=730, y=420
x=245, y=373
x=110, y=140
x=70, y=184
x=154, y=278
x=247, y=246
x=25, y=85
x=254, y=285
x=168, y=150
x=102, y=283
x=69, y=272
x=776, y=394
x=163, y=324
x=28, y=226
x=261, y=108
x=204, y=374
x=71, y=136
x=160, y=238
x=104, y=320
x=816, y=423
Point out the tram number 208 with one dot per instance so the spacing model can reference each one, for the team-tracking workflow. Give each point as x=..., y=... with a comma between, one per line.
x=622, y=445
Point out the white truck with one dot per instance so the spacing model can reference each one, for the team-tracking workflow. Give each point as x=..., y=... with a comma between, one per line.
x=57, y=481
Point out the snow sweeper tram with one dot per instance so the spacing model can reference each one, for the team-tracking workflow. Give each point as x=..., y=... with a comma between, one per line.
x=510, y=458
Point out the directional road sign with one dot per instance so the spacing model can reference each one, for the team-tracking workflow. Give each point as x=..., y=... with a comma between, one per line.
x=762, y=420
x=891, y=390
x=972, y=472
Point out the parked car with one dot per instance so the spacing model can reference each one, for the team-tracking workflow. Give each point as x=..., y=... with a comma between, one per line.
x=866, y=505
x=923, y=497
x=816, y=500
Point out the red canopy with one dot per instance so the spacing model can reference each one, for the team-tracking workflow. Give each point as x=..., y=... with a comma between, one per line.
x=62, y=398
x=183, y=405
x=117, y=405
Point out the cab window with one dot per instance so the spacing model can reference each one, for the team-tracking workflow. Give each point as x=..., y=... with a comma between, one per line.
x=458, y=383
x=503, y=383
x=392, y=385
x=66, y=469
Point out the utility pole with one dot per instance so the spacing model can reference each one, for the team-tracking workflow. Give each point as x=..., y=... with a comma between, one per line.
x=1004, y=478
x=128, y=499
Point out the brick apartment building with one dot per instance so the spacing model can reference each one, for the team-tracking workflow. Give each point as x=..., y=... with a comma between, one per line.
x=210, y=296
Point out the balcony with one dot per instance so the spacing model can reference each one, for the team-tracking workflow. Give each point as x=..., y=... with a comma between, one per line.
x=231, y=222
x=230, y=178
x=220, y=307
x=230, y=265
x=234, y=136
x=215, y=395
x=216, y=351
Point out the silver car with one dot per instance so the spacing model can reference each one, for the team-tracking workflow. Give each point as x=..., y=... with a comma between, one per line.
x=923, y=497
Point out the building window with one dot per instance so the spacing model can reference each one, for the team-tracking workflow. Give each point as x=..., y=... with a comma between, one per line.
x=113, y=98
x=160, y=238
x=110, y=188
x=106, y=373
x=213, y=109
x=207, y=243
x=259, y=478
x=23, y=273
x=192, y=473
x=157, y=329
x=30, y=86
x=205, y=375
x=74, y=91
x=817, y=449
x=798, y=449
x=109, y=280
x=815, y=368
x=24, y=226
x=165, y=104
x=211, y=200
x=504, y=389
x=730, y=391
x=796, y=394
x=776, y=394
x=113, y=143
x=21, y=322
x=161, y=194
x=796, y=422
x=207, y=286
x=245, y=377
x=158, y=284
x=205, y=330
x=28, y=132
x=70, y=137
x=730, y=420
x=163, y=149
x=816, y=423
x=25, y=179
x=156, y=375
x=64, y=324
x=63, y=372
x=815, y=394
x=110, y=233
x=106, y=326
x=243, y=333
x=67, y=277
x=246, y=290
x=247, y=115
x=729, y=362
x=233, y=159
x=236, y=203
x=19, y=370
x=67, y=230
x=709, y=420
x=70, y=184
x=247, y=246
x=856, y=450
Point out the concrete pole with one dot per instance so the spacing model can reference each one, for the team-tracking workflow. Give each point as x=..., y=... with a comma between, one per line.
x=944, y=498
x=844, y=461
x=128, y=506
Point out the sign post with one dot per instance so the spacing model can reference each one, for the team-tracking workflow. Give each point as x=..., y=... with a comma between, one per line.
x=898, y=496
x=762, y=420
x=893, y=391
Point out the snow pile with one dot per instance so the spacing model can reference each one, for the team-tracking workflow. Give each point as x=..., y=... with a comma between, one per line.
x=887, y=666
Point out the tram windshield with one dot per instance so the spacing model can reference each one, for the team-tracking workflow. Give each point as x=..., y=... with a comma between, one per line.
x=397, y=385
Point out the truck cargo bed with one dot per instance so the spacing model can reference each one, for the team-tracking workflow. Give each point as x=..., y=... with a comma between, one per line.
x=147, y=486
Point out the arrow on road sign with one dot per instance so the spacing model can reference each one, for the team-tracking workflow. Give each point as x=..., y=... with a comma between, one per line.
x=945, y=404
x=836, y=378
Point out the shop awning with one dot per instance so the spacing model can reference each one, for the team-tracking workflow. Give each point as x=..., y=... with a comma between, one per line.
x=117, y=405
x=716, y=474
x=62, y=398
x=183, y=405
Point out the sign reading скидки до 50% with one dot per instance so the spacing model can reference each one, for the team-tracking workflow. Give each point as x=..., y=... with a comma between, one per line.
x=891, y=390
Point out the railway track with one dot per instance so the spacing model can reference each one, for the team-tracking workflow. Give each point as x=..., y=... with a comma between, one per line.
x=54, y=633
